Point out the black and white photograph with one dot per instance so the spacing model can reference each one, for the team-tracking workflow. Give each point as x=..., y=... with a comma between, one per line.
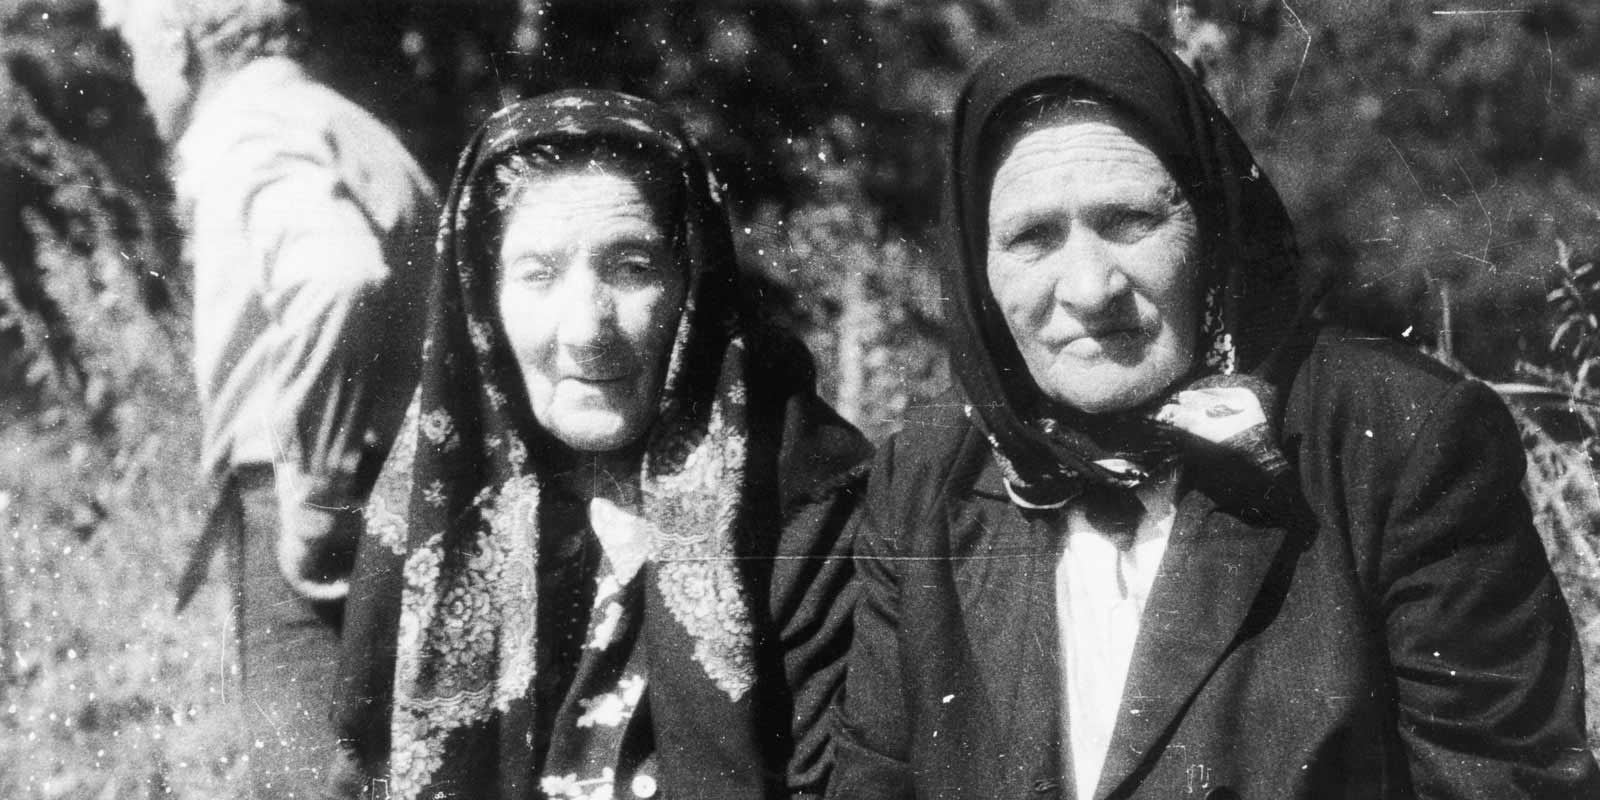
x=815, y=399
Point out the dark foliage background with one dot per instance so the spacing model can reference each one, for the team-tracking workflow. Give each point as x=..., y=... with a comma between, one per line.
x=1439, y=156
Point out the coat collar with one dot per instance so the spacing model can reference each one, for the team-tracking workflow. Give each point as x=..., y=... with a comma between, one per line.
x=1214, y=569
x=1211, y=577
x=1003, y=566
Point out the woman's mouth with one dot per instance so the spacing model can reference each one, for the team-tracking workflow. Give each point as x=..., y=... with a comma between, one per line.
x=1097, y=343
x=598, y=379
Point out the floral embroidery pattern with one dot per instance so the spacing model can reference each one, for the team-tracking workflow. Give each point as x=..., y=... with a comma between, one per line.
x=612, y=708
x=434, y=494
x=605, y=627
x=496, y=398
x=516, y=453
x=1219, y=355
x=436, y=427
x=479, y=331
x=589, y=731
x=569, y=787
x=386, y=509
x=696, y=567
x=450, y=619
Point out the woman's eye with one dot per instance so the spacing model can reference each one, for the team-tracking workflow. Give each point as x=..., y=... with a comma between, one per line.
x=1032, y=240
x=530, y=270
x=636, y=265
x=639, y=263
x=1129, y=224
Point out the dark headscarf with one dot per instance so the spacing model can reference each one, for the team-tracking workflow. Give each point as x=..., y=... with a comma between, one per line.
x=1255, y=310
x=461, y=498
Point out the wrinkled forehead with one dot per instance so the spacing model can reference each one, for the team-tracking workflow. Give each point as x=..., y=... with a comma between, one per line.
x=562, y=211
x=627, y=169
x=578, y=132
x=1056, y=107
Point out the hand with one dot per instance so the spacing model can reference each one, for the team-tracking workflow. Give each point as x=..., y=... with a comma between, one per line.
x=316, y=549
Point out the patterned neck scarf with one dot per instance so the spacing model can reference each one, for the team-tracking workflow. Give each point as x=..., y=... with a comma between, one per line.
x=1256, y=313
x=468, y=511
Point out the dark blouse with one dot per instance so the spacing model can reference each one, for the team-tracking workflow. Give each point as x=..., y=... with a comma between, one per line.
x=593, y=735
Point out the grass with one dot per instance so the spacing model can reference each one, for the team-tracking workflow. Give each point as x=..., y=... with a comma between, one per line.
x=104, y=691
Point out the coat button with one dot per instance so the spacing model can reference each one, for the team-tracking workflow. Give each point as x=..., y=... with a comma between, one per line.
x=1222, y=793
x=643, y=786
x=1045, y=785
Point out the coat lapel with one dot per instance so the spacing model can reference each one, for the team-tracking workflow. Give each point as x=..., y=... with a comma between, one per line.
x=1004, y=575
x=1209, y=579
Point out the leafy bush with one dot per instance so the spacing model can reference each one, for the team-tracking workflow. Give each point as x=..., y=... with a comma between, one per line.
x=86, y=248
x=1562, y=488
x=1575, y=308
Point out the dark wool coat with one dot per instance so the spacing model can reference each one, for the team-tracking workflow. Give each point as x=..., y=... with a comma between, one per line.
x=1400, y=634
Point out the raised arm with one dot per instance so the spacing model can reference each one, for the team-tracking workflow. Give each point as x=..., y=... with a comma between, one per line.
x=347, y=342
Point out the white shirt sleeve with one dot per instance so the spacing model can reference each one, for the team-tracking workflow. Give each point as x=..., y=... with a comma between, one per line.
x=324, y=272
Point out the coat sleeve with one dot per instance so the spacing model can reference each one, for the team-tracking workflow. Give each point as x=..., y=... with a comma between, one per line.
x=823, y=465
x=1486, y=668
x=813, y=596
x=326, y=289
x=872, y=724
x=344, y=339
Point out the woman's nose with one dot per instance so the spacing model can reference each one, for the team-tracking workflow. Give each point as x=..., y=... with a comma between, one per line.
x=588, y=313
x=1088, y=275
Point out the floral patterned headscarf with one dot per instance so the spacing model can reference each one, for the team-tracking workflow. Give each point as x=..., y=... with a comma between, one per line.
x=1256, y=310
x=466, y=512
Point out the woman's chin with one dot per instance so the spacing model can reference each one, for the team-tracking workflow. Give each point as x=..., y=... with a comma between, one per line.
x=1107, y=390
x=1101, y=384
x=1101, y=402
x=595, y=431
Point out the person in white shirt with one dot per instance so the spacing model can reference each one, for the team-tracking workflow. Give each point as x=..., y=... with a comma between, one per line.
x=309, y=232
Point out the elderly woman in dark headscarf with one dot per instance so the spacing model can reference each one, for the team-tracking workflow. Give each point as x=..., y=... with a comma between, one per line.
x=608, y=560
x=1174, y=539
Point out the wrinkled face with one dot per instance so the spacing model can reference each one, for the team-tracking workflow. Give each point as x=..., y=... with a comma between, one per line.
x=1093, y=260
x=160, y=64
x=590, y=296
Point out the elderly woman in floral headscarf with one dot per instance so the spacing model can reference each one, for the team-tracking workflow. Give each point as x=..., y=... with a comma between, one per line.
x=1172, y=539
x=608, y=560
